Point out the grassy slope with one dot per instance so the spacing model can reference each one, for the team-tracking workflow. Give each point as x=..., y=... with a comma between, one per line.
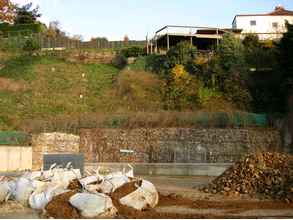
x=54, y=87
x=53, y=95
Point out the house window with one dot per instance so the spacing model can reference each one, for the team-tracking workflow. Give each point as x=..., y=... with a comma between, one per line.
x=253, y=23
x=275, y=25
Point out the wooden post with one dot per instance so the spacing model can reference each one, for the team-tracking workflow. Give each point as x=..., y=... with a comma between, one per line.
x=191, y=43
x=217, y=37
x=168, y=42
x=147, y=45
x=156, y=49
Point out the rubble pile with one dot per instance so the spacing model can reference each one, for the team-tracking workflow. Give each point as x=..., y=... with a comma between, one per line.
x=266, y=175
x=65, y=193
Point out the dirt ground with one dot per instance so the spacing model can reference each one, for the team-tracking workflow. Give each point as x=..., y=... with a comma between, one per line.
x=180, y=198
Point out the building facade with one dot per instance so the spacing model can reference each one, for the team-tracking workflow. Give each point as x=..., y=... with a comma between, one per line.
x=268, y=26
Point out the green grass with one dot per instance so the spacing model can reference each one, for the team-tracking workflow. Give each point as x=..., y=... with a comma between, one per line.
x=20, y=67
x=53, y=88
x=139, y=64
x=100, y=77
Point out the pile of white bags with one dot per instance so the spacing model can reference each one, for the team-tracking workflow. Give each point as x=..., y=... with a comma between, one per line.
x=38, y=189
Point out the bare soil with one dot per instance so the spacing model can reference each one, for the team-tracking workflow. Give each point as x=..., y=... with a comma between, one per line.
x=12, y=85
x=60, y=207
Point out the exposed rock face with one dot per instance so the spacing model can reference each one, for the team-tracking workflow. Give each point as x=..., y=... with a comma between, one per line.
x=181, y=145
x=50, y=143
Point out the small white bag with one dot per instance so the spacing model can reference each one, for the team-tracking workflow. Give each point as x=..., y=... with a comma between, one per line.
x=64, y=177
x=93, y=205
x=39, y=199
x=109, y=185
x=88, y=180
x=24, y=188
x=4, y=191
x=146, y=196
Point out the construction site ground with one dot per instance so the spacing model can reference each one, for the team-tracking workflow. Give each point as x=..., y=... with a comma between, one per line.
x=180, y=198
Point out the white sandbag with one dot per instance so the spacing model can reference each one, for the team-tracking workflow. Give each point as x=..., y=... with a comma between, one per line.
x=111, y=184
x=93, y=205
x=65, y=176
x=130, y=172
x=146, y=196
x=4, y=191
x=88, y=180
x=39, y=186
x=24, y=189
x=12, y=189
x=39, y=200
x=93, y=188
x=113, y=174
x=32, y=175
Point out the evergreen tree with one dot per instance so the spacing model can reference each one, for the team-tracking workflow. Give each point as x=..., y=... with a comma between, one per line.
x=26, y=15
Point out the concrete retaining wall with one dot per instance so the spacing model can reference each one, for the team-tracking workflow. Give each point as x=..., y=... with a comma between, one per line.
x=15, y=158
x=167, y=169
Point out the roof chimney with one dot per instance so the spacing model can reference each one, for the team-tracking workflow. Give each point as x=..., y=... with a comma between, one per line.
x=279, y=8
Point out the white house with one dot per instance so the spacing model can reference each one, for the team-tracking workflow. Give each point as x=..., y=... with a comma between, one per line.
x=267, y=26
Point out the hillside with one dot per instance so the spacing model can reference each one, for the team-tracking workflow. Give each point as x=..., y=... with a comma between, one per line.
x=43, y=93
x=39, y=87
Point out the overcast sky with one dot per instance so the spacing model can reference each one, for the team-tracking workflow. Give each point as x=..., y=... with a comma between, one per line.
x=137, y=18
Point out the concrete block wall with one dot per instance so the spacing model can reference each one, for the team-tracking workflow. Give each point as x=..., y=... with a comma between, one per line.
x=15, y=158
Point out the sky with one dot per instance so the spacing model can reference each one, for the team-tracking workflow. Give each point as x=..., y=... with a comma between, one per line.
x=138, y=18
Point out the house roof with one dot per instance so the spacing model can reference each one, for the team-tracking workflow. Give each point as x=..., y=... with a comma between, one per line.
x=279, y=11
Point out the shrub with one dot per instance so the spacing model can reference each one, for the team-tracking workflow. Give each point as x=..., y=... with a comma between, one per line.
x=230, y=52
x=251, y=41
x=119, y=61
x=139, y=64
x=205, y=94
x=237, y=93
x=139, y=90
x=157, y=64
x=31, y=45
x=181, y=54
x=133, y=52
x=181, y=90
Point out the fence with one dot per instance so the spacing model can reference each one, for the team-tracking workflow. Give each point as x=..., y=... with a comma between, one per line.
x=17, y=42
x=14, y=138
